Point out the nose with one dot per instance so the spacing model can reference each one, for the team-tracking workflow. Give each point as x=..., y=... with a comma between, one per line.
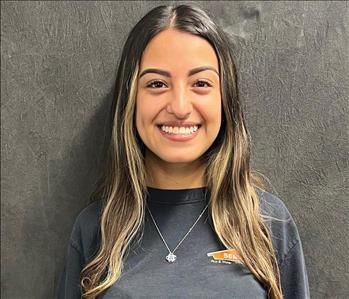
x=180, y=103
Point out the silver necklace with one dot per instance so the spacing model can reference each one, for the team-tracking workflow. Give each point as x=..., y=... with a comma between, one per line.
x=171, y=257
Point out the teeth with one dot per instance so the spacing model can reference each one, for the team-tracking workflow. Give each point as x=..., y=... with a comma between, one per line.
x=179, y=130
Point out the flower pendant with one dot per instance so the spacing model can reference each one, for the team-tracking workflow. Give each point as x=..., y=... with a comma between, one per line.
x=171, y=257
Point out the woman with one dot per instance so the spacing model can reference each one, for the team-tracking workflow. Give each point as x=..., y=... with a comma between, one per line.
x=178, y=211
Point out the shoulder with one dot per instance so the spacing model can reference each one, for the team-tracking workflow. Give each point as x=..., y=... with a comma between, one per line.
x=282, y=226
x=272, y=206
x=86, y=228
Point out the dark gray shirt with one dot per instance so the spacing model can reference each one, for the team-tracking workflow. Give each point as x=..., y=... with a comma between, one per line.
x=194, y=274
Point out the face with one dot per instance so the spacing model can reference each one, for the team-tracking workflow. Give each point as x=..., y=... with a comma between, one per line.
x=179, y=91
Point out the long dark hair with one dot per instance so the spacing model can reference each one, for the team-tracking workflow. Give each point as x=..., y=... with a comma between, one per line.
x=234, y=202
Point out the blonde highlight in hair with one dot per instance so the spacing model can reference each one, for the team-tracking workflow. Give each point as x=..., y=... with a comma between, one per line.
x=234, y=203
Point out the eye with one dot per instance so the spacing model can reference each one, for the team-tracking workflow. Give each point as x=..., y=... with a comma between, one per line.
x=204, y=82
x=155, y=83
x=158, y=84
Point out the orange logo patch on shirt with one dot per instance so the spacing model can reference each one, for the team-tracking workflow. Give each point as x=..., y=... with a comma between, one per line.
x=230, y=255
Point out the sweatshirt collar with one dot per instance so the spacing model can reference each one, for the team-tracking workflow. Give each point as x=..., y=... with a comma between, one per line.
x=177, y=196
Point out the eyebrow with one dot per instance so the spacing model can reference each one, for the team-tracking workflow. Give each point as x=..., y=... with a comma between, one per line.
x=168, y=74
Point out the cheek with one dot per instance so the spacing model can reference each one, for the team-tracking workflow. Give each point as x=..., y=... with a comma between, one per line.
x=214, y=118
x=139, y=113
x=144, y=114
x=212, y=112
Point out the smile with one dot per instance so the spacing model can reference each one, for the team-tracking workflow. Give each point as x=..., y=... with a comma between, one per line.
x=179, y=133
x=180, y=130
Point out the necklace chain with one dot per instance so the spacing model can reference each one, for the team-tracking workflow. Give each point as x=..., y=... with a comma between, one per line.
x=171, y=257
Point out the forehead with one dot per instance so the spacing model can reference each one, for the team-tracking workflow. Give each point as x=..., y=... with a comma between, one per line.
x=178, y=51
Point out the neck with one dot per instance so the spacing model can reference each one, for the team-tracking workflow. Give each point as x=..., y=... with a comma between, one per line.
x=166, y=175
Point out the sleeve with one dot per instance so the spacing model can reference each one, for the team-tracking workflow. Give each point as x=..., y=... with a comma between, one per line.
x=288, y=246
x=294, y=278
x=69, y=284
x=83, y=243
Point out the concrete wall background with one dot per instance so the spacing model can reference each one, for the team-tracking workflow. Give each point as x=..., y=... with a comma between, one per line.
x=58, y=65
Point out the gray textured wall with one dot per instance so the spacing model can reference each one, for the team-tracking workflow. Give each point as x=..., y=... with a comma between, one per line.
x=58, y=64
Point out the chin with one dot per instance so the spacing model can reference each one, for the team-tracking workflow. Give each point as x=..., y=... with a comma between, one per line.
x=177, y=158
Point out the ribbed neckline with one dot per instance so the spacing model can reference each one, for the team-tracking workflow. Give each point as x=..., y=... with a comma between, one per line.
x=177, y=196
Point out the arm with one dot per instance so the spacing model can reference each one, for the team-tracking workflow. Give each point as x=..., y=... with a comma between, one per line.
x=69, y=284
x=83, y=243
x=294, y=278
x=288, y=246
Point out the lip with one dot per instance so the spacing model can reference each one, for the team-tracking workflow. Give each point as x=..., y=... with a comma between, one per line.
x=179, y=137
x=179, y=124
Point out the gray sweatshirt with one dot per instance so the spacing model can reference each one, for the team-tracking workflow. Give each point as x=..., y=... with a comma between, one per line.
x=195, y=273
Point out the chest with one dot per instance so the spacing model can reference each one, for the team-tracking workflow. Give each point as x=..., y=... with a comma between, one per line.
x=194, y=274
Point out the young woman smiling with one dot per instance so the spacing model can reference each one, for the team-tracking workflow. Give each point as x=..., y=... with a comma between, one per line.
x=178, y=211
